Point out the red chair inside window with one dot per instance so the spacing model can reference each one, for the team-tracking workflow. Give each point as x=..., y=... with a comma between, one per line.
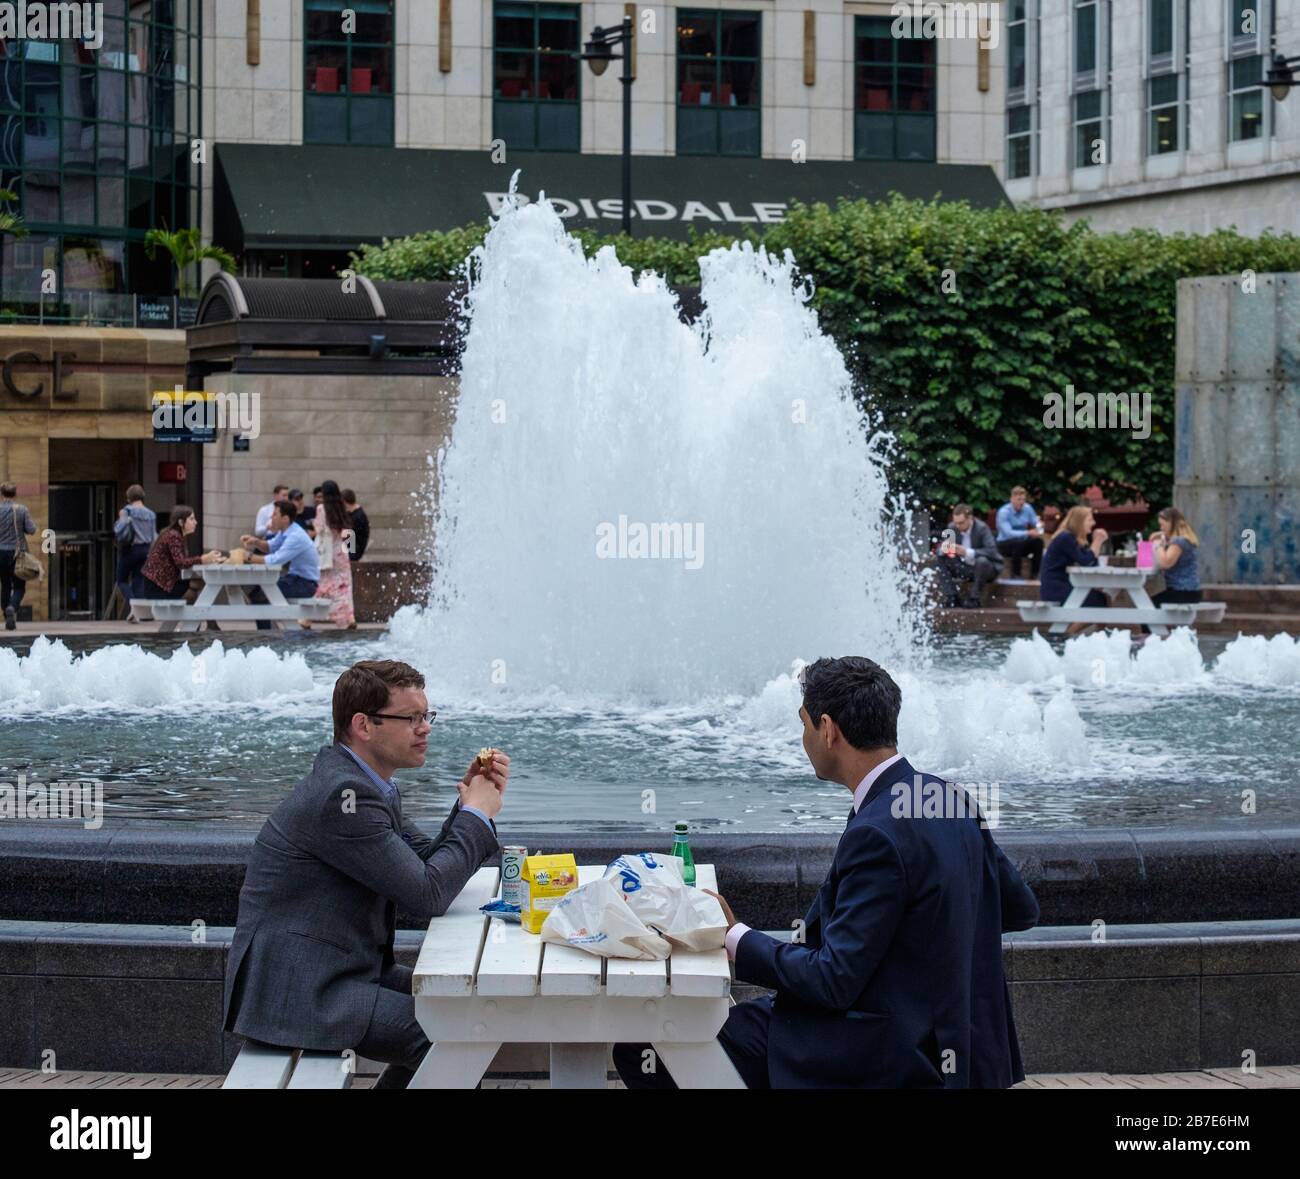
x=877, y=99
x=361, y=79
x=724, y=95
x=690, y=94
x=511, y=87
x=920, y=101
x=327, y=80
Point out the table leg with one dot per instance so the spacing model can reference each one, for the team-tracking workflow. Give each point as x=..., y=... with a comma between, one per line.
x=1142, y=600
x=579, y=1066
x=207, y=597
x=1078, y=594
x=700, y=1066
x=449, y=1065
x=276, y=598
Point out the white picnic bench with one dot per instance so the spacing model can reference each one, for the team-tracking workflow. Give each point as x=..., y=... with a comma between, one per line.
x=1116, y=580
x=265, y=1066
x=481, y=982
x=229, y=582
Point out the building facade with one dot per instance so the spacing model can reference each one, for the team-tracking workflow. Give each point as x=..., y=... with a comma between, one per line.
x=1150, y=113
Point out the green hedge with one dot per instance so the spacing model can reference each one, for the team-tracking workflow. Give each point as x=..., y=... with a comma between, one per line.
x=960, y=375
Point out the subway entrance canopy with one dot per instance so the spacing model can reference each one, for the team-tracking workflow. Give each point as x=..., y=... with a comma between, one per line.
x=318, y=196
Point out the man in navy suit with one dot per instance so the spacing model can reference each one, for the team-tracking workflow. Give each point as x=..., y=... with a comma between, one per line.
x=894, y=979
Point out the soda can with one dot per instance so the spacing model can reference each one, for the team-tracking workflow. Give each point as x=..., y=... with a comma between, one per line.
x=512, y=868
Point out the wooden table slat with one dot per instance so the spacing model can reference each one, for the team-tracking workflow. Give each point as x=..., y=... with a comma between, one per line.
x=449, y=955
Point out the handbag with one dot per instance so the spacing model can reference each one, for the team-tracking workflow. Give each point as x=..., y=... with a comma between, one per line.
x=324, y=542
x=26, y=567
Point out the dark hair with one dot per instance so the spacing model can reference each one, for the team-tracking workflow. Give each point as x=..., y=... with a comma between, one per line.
x=349, y=496
x=365, y=687
x=279, y=487
x=180, y=513
x=318, y=490
x=858, y=695
x=135, y=492
x=8, y=490
x=336, y=515
x=963, y=510
x=295, y=494
x=285, y=508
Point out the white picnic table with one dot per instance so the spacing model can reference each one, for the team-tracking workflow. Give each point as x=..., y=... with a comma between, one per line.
x=223, y=599
x=481, y=982
x=1116, y=580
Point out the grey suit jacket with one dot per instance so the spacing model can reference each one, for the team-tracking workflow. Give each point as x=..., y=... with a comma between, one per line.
x=317, y=911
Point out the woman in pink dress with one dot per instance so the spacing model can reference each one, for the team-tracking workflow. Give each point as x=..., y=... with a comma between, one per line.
x=332, y=538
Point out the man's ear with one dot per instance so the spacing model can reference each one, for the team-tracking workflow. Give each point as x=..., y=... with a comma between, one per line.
x=829, y=730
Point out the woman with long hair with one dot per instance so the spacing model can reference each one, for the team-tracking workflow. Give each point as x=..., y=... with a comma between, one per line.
x=333, y=534
x=1070, y=546
x=1176, y=546
x=164, y=570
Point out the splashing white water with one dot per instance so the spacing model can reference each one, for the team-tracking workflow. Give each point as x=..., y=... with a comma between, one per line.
x=587, y=408
x=125, y=677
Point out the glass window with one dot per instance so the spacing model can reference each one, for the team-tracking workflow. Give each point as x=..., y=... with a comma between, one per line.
x=1164, y=119
x=94, y=142
x=1088, y=141
x=894, y=93
x=1243, y=16
x=718, y=101
x=1020, y=130
x=1246, y=112
x=535, y=76
x=1085, y=36
x=1161, y=24
x=348, y=59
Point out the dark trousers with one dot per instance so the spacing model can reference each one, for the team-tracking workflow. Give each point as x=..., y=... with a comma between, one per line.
x=1024, y=546
x=1169, y=597
x=130, y=562
x=154, y=592
x=743, y=1038
x=394, y=1036
x=12, y=588
x=954, y=573
x=292, y=586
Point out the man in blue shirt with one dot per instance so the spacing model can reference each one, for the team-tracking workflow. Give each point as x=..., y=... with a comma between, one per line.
x=1019, y=533
x=289, y=548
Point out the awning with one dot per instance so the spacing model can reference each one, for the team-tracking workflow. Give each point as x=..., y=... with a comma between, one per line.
x=317, y=196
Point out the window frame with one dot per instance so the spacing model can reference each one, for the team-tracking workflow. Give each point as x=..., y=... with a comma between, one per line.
x=348, y=42
x=894, y=109
x=718, y=59
x=1026, y=95
x=535, y=101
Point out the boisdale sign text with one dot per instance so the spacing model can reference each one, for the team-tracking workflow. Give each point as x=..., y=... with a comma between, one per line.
x=611, y=209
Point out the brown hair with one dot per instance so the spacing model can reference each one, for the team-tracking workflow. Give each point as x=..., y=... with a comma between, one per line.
x=180, y=513
x=8, y=490
x=135, y=493
x=365, y=687
x=1019, y=491
x=962, y=510
x=1178, y=525
x=1073, y=523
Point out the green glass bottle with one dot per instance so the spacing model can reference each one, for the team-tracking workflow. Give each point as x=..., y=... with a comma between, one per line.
x=683, y=849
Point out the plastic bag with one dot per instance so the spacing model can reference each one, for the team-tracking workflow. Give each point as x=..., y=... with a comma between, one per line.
x=640, y=908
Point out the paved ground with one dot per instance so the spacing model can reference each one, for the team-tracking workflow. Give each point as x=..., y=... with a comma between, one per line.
x=1264, y=1078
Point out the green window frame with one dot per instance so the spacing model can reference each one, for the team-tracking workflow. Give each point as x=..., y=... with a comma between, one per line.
x=719, y=82
x=536, y=75
x=1164, y=114
x=1246, y=98
x=894, y=93
x=348, y=77
x=1088, y=127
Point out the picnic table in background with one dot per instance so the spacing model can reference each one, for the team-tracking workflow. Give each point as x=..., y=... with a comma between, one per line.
x=230, y=582
x=481, y=982
x=1115, y=580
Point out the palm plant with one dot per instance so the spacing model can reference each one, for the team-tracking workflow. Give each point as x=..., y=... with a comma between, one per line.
x=186, y=249
x=11, y=222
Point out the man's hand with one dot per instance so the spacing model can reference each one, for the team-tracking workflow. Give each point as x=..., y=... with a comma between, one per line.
x=498, y=772
x=959, y=550
x=482, y=794
x=726, y=908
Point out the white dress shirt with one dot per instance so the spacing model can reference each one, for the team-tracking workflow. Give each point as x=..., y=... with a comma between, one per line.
x=263, y=524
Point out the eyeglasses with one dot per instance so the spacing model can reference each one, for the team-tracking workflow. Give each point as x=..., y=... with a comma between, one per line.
x=413, y=720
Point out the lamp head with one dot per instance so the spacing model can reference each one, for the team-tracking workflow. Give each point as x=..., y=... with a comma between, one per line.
x=1280, y=78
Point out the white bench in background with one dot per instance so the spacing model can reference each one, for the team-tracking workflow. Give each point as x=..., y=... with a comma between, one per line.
x=482, y=982
x=230, y=582
x=1117, y=579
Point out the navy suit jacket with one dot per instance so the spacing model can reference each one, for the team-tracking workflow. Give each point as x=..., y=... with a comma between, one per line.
x=898, y=982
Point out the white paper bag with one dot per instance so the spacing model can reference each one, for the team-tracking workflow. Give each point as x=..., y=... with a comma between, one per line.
x=595, y=917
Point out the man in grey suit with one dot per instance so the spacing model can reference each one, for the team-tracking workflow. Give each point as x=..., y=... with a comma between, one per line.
x=967, y=552
x=311, y=964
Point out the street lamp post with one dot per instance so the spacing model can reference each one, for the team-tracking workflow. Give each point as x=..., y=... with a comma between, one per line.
x=598, y=53
x=1281, y=76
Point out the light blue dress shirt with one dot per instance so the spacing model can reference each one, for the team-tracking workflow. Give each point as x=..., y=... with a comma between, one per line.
x=390, y=788
x=293, y=548
x=1012, y=524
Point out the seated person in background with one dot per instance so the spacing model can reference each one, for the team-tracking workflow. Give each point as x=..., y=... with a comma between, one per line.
x=1051, y=521
x=288, y=548
x=1018, y=532
x=1176, y=553
x=1070, y=547
x=966, y=553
